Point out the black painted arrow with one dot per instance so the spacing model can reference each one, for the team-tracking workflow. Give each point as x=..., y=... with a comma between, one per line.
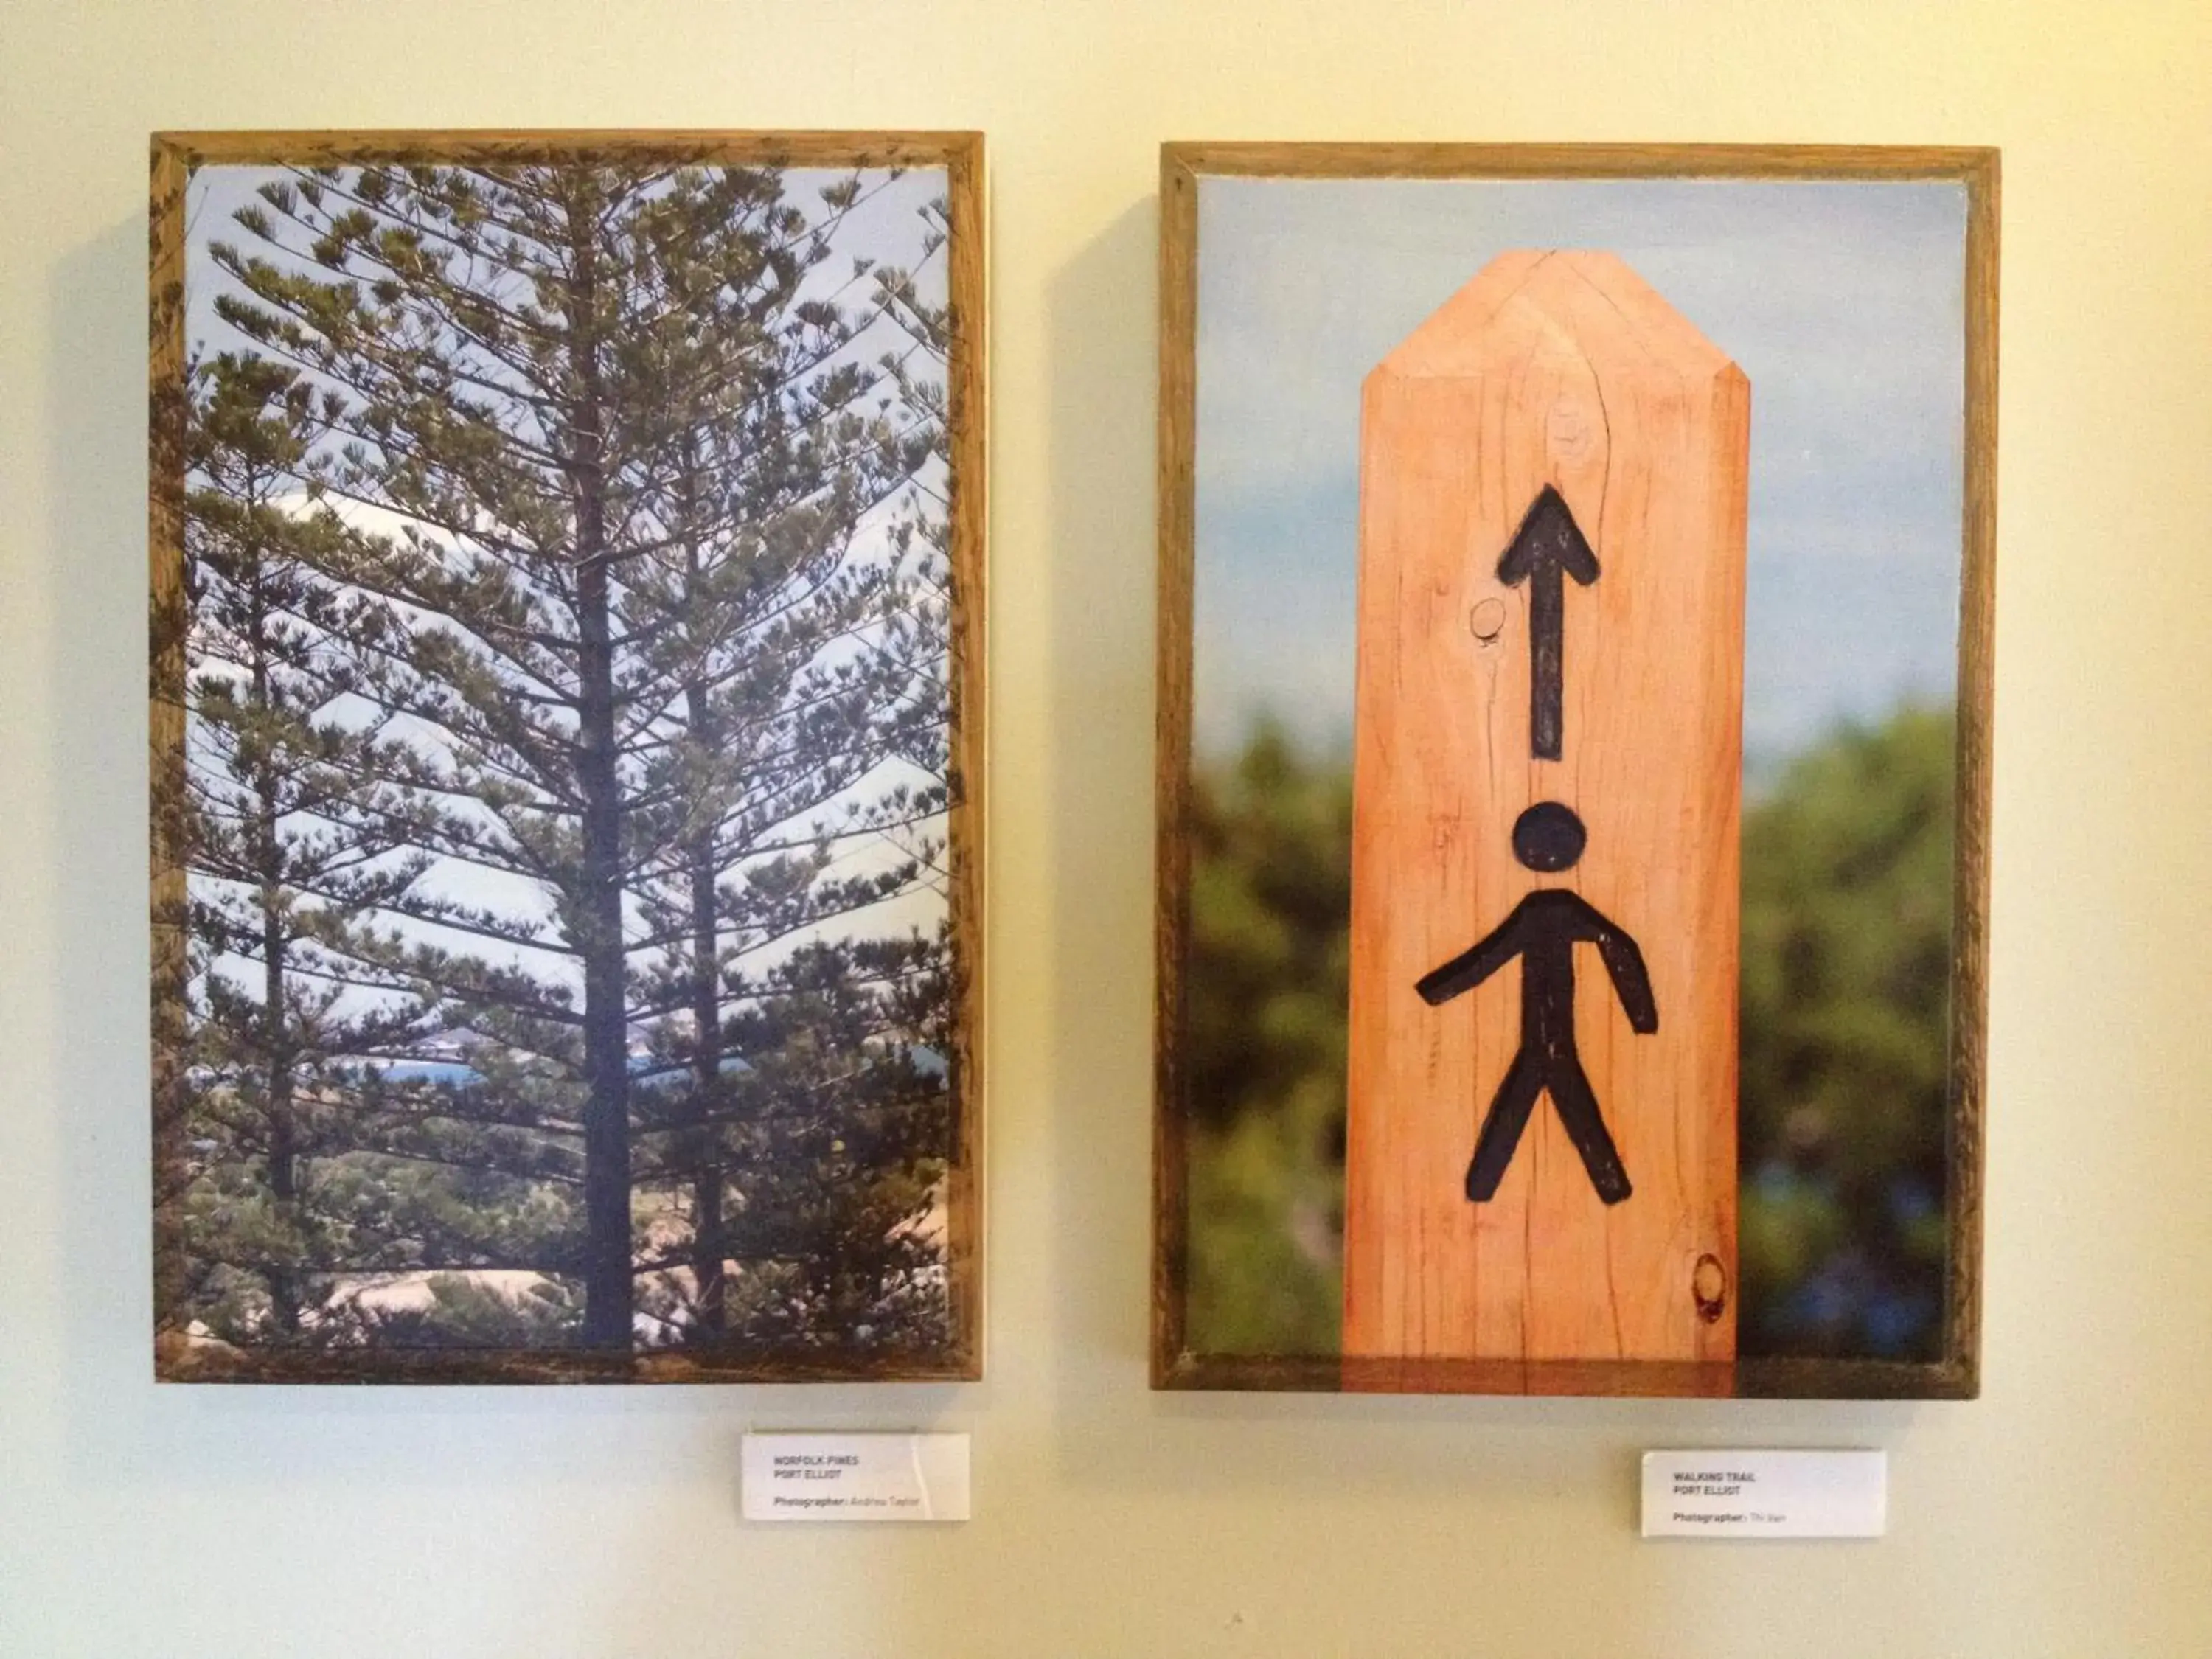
x=1548, y=547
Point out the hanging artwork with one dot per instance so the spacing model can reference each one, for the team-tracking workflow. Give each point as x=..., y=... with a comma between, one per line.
x=1575, y=711
x=566, y=701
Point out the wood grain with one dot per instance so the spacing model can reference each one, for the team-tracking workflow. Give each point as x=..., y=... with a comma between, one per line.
x=176, y=156
x=165, y=629
x=1955, y=1373
x=961, y=156
x=572, y=147
x=1178, y=437
x=1970, y=925
x=1419, y=161
x=1560, y=369
x=1744, y=1379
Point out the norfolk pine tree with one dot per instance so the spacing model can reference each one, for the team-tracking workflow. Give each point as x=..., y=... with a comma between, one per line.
x=277, y=1034
x=807, y=648
x=497, y=349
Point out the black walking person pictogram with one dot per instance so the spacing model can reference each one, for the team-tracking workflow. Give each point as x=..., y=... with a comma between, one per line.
x=1543, y=931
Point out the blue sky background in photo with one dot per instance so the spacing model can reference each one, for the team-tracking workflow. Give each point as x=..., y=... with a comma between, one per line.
x=888, y=225
x=1844, y=303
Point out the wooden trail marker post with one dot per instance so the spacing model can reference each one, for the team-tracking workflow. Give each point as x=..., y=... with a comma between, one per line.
x=1558, y=370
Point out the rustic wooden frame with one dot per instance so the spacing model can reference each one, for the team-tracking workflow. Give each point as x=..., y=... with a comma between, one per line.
x=176, y=156
x=1956, y=1374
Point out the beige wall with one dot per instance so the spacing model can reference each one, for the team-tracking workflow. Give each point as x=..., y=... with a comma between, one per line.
x=2064, y=1514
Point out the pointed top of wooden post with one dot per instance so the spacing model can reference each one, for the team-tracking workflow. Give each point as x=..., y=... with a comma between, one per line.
x=1555, y=405
x=1567, y=302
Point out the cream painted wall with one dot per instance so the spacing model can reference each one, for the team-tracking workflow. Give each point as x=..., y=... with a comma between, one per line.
x=2064, y=1514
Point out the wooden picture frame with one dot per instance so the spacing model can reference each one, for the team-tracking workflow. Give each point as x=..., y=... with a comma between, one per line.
x=1947, y=1366
x=903, y=440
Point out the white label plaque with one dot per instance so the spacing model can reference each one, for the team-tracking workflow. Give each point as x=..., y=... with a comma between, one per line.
x=1766, y=1494
x=855, y=1477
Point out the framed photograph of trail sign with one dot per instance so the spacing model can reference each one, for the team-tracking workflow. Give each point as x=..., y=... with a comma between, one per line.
x=567, y=729
x=1575, y=631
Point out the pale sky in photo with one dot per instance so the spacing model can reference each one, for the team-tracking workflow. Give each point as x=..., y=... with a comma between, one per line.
x=1843, y=304
x=886, y=226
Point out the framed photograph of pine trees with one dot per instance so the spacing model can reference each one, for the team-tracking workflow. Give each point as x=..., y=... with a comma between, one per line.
x=1574, y=713
x=567, y=753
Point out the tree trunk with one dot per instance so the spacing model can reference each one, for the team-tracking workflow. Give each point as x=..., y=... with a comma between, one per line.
x=706, y=1051
x=278, y=1129
x=282, y=1147
x=607, y=1281
x=708, y=1243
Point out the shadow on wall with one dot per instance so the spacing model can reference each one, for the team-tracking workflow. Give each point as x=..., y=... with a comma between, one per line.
x=1847, y=893
x=1099, y=734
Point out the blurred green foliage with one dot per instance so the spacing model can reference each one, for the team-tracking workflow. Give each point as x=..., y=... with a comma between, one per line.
x=1847, y=886
x=1270, y=917
x=1847, y=892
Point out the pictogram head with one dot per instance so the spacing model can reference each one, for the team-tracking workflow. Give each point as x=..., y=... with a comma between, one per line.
x=1548, y=837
